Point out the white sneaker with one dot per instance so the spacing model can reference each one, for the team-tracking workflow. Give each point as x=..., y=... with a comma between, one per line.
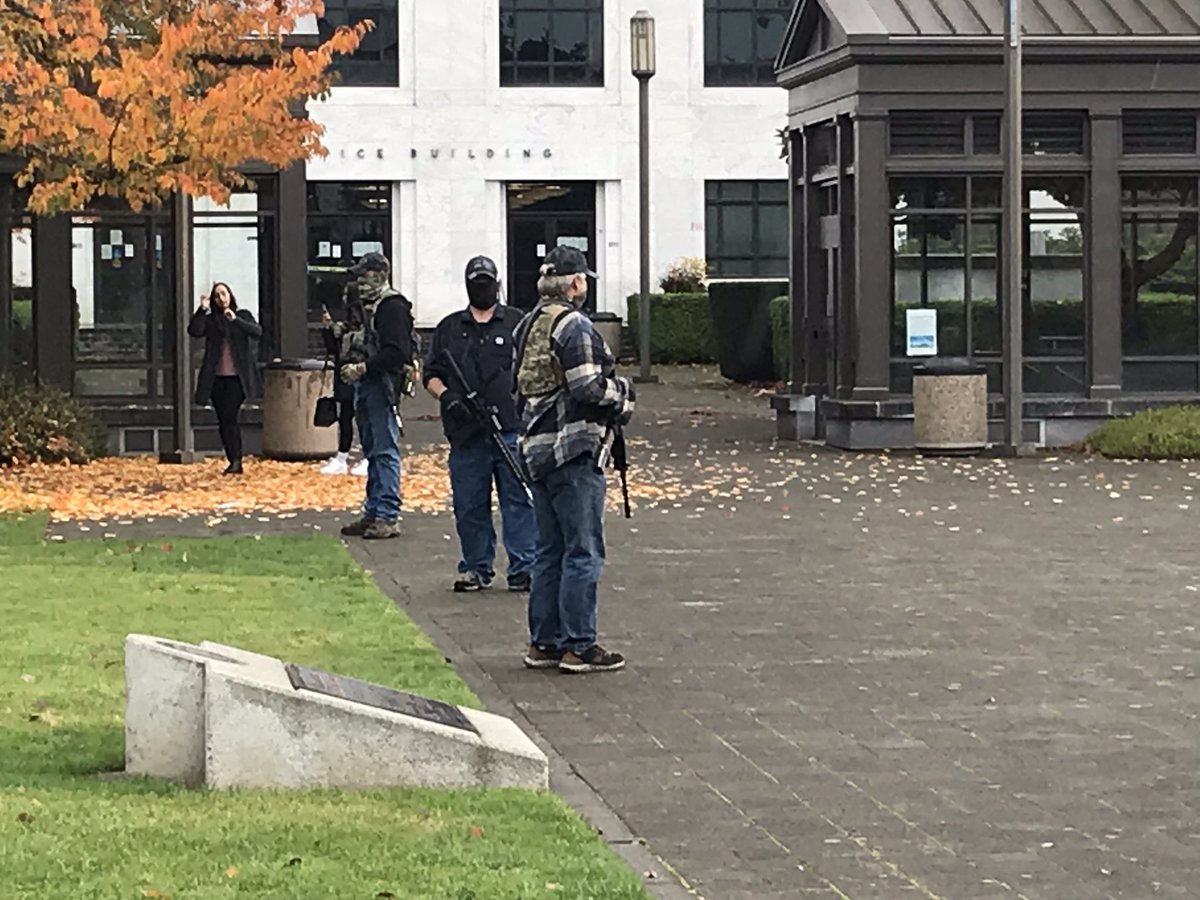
x=360, y=469
x=335, y=466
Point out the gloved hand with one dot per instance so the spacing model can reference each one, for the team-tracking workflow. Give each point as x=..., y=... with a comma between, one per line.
x=353, y=372
x=454, y=409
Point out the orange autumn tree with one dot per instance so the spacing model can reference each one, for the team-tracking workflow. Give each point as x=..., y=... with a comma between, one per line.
x=140, y=99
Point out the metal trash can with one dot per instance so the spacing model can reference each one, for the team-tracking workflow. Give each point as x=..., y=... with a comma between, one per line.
x=950, y=407
x=609, y=327
x=292, y=390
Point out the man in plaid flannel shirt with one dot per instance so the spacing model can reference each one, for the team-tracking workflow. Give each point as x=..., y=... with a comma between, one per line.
x=571, y=402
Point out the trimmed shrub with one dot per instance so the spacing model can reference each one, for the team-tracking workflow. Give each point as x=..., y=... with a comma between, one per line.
x=680, y=328
x=41, y=424
x=780, y=312
x=742, y=324
x=686, y=276
x=1169, y=433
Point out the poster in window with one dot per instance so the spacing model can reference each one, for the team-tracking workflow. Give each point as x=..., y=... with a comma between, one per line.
x=922, y=332
x=579, y=243
x=359, y=249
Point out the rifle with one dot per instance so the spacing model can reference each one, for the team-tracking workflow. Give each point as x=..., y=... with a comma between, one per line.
x=620, y=458
x=488, y=419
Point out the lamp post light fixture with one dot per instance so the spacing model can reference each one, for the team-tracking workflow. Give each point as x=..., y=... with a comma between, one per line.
x=643, y=57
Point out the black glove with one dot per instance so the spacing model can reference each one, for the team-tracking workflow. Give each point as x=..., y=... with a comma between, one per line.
x=455, y=411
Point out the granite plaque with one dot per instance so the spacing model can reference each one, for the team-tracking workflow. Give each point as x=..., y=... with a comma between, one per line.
x=379, y=697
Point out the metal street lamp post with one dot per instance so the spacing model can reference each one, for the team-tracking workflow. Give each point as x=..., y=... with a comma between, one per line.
x=643, y=49
x=1014, y=238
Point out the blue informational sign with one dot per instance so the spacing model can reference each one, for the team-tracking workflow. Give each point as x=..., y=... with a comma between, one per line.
x=922, y=332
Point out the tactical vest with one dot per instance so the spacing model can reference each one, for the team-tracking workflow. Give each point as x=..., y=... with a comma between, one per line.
x=539, y=373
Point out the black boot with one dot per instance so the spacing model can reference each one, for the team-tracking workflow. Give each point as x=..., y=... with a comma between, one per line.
x=234, y=467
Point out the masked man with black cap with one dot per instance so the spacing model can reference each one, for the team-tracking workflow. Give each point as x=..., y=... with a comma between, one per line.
x=375, y=353
x=571, y=403
x=480, y=338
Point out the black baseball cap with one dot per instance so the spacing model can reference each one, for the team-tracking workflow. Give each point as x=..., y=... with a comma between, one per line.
x=482, y=267
x=564, y=260
x=372, y=262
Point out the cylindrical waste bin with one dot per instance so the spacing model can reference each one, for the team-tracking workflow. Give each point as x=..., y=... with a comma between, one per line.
x=609, y=327
x=950, y=406
x=292, y=390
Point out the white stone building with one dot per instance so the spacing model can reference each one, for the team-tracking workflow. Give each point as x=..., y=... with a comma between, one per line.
x=505, y=127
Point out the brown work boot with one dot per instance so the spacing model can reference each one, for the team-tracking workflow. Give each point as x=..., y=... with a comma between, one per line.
x=358, y=528
x=382, y=531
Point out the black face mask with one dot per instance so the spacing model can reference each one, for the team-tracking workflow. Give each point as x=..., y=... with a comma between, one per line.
x=483, y=293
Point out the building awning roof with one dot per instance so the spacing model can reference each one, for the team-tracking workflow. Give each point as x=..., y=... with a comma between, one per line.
x=1049, y=18
x=818, y=26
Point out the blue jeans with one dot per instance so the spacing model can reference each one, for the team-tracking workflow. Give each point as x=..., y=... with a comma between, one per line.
x=473, y=468
x=569, y=504
x=379, y=431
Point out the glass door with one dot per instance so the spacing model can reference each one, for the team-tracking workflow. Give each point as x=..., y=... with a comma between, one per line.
x=540, y=218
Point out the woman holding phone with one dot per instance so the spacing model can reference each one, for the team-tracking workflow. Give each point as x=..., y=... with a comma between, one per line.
x=229, y=373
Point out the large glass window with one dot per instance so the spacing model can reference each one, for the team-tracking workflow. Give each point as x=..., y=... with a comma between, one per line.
x=1054, y=311
x=747, y=226
x=17, y=348
x=742, y=39
x=552, y=42
x=1161, y=284
x=376, y=62
x=235, y=244
x=122, y=301
x=346, y=221
x=946, y=256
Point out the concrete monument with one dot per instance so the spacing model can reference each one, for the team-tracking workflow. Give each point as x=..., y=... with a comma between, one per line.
x=222, y=717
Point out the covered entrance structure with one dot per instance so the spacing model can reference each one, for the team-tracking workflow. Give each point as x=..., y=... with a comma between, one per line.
x=894, y=139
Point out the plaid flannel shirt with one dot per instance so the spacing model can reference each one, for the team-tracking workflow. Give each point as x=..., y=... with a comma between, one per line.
x=577, y=420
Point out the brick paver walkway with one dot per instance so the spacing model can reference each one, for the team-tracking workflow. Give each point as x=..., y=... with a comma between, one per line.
x=866, y=677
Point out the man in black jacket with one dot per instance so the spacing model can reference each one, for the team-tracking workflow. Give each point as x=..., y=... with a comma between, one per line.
x=480, y=338
x=375, y=355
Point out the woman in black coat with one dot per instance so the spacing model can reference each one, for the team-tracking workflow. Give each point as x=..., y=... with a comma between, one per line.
x=229, y=374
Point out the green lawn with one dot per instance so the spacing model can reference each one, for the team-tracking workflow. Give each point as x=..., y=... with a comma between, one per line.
x=67, y=831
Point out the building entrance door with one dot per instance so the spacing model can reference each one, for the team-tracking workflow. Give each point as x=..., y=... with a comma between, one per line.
x=540, y=218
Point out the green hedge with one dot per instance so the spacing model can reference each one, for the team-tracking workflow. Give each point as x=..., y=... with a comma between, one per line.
x=681, y=328
x=781, y=336
x=742, y=323
x=1171, y=433
x=1166, y=323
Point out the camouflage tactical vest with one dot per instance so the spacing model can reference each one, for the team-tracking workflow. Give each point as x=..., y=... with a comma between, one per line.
x=539, y=372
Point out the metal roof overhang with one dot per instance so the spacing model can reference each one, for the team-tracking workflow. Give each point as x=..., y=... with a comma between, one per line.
x=986, y=50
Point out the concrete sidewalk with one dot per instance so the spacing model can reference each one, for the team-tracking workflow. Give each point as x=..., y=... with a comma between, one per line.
x=873, y=677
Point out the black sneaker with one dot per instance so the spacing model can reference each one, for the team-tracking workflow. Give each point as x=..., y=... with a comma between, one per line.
x=537, y=658
x=471, y=582
x=519, y=584
x=357, y=529
x=593, y=659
